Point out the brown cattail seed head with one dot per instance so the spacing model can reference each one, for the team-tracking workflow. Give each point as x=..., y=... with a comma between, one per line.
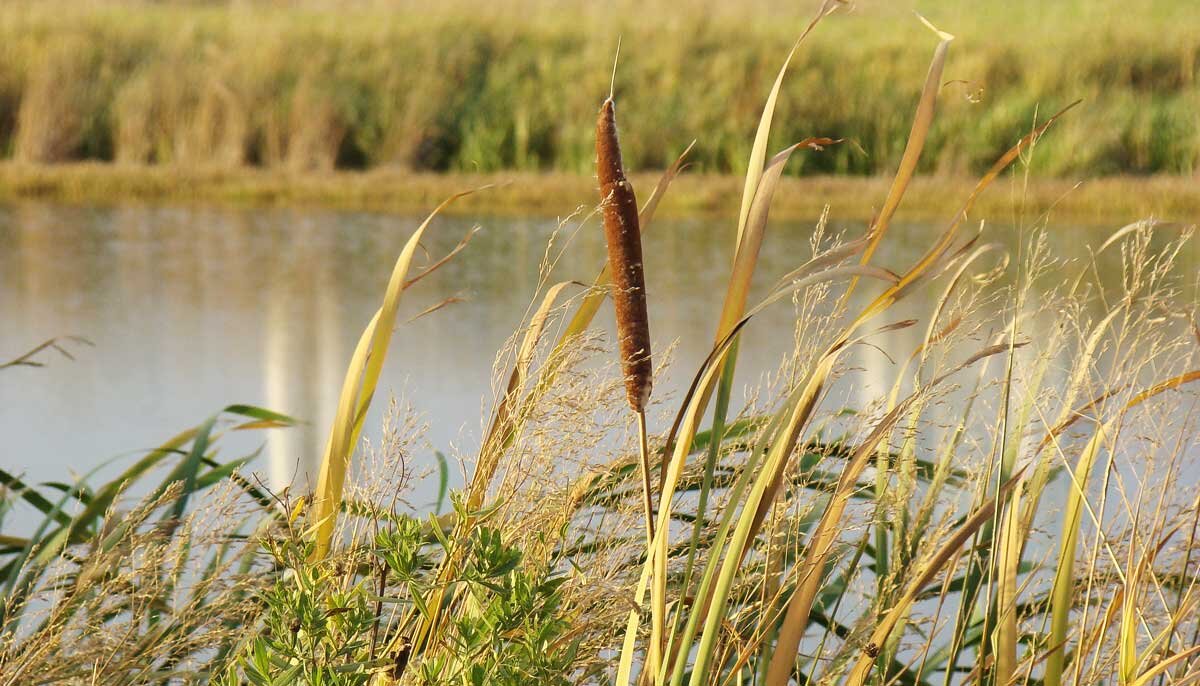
x=623, y=234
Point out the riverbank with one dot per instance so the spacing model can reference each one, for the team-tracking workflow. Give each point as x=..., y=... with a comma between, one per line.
x=1105, y=200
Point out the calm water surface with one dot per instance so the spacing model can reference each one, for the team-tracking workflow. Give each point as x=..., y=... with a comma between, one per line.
x=193, y=309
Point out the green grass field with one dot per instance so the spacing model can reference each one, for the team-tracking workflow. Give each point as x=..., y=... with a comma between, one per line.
x=514, y=85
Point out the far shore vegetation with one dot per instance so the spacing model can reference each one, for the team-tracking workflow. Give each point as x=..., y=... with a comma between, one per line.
x=391, y=105
x=316, y=85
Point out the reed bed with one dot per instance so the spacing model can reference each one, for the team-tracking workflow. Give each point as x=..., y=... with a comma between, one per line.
x=307, y=86
x=1015, y=504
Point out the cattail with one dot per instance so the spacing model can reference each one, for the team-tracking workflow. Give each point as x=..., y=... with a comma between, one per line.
x=623, y=235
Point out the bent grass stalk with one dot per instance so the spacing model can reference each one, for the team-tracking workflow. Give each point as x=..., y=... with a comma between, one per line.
x=922, y=121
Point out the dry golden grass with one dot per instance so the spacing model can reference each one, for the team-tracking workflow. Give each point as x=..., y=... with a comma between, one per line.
x=142, y=603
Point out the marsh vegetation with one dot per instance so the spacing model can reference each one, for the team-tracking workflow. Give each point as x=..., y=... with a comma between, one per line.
x=1016, y=504
x=511, y=85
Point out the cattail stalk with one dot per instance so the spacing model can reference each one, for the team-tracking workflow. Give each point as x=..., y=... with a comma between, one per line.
x=623, y=235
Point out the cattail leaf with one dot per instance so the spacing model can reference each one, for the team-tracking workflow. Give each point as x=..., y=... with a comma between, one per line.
x=750, y=243
x=30, y=495
x=1009, y=562
x=922, y=121
x=758, y=150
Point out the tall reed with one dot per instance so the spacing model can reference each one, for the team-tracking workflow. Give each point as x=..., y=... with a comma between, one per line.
x=503, y=85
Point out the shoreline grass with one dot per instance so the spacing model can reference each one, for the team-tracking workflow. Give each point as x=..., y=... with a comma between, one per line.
x=1104, y=200
x=308, y=85
x=924, y=508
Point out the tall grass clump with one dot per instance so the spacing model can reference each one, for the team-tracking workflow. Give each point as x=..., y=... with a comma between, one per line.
x=63, y=113
x=463, y=88
x=178, y=111
x=1007, y=496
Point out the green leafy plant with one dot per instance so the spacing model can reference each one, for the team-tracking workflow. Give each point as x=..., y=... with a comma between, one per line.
x=335, y=620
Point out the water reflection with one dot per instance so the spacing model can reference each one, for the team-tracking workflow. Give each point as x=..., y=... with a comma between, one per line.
x=192, y=309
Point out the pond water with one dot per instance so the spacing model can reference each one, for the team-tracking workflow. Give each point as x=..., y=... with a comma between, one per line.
x=191, y=309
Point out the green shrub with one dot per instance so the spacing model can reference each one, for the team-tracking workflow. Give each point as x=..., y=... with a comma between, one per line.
x=337, y=621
